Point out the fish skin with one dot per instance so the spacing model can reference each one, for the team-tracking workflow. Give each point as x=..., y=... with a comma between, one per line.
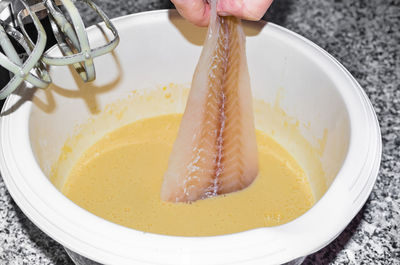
x=215, y=151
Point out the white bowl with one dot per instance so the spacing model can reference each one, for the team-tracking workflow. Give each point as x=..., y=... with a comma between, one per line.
x=160, y=47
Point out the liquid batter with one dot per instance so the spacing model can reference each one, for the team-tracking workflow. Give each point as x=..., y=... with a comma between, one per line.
x=119, y=179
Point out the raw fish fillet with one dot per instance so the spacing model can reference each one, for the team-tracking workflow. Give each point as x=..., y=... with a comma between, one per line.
x=215, y=151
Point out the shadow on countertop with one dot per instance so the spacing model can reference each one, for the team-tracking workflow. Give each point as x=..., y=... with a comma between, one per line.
x=329, y=253
x=39, y=240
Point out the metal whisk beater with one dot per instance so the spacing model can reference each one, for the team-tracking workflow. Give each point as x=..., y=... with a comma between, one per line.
x=69, y=32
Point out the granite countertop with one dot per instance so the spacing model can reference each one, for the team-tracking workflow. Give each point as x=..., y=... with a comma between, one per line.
x=365, y=37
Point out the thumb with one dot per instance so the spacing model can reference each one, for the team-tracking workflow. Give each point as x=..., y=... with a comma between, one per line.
x=196, y=11
x=245, y=9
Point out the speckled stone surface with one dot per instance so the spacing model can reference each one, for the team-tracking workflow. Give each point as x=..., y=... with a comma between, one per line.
x=365, y=37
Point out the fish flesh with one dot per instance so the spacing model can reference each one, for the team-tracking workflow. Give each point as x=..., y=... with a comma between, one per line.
x=215, y=151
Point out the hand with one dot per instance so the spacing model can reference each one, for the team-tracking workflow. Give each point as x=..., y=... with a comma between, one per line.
x=198, y=11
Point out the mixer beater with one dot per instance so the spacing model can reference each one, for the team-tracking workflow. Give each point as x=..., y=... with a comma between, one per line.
x=69, y=32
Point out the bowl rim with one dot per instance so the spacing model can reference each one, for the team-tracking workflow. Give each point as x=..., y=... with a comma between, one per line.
x=106, y=242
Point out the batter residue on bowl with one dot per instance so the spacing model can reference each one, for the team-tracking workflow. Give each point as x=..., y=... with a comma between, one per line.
x=119, y=179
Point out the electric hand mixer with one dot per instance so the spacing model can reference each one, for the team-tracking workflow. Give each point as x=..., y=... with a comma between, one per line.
x=68, y=30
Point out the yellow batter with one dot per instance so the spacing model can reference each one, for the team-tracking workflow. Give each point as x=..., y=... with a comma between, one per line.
x=119, y=179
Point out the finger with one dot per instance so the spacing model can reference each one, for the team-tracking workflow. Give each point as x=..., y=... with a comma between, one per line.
x=245, y=9
x=196, y=11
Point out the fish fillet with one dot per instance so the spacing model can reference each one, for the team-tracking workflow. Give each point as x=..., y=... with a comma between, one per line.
x=215, y=151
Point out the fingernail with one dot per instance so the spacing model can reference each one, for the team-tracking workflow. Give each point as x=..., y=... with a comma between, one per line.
x=223, y=13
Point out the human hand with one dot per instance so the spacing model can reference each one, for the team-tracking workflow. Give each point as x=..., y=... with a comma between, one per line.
x=198, y=11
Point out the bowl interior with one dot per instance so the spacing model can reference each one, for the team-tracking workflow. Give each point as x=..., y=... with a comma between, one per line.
x=297, y=101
